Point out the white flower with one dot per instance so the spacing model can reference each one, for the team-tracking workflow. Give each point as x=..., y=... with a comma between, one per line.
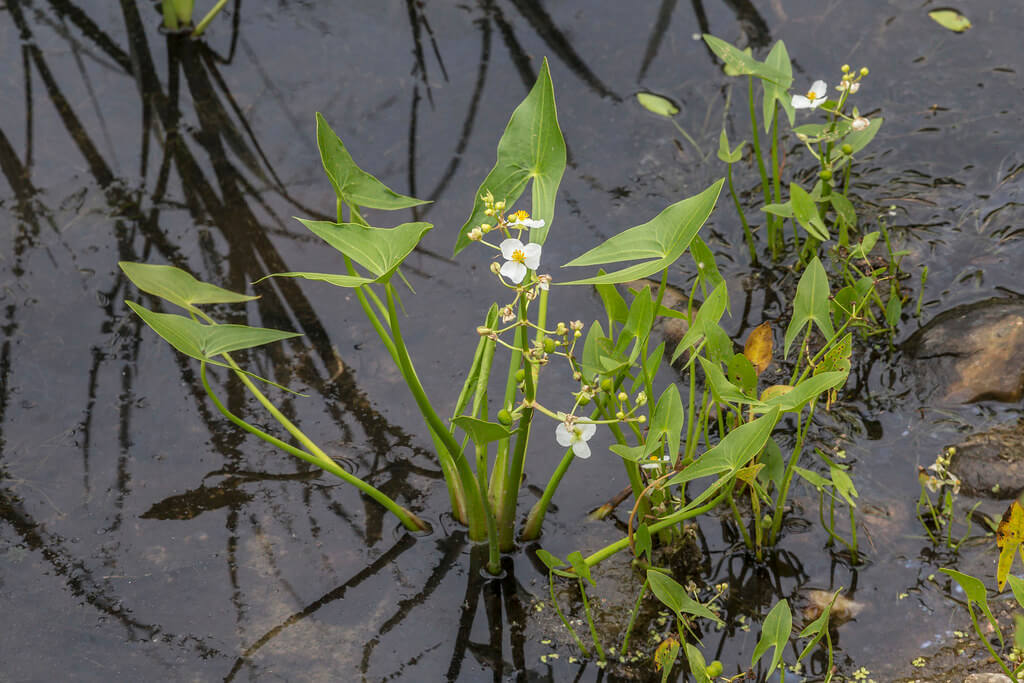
x=522, y=219
x=860, y=123
x=846, y=85
x=544, y=281
x=518, y=259
x=654, y=462
x=577, y=437
x=814, y=97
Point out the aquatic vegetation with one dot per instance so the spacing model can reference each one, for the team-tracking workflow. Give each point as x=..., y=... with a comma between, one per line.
x=684, y=454
x=178, y=16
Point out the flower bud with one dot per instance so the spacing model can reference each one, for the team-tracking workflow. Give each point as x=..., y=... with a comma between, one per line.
x=825, y=174
x=475, y=235
x=715, y=669
x=520, y=375
x=847, y=149
x=560, y=329
x=486, y=228
x=499, y=206
x=483, y=331
x=504, y=417
x=607, y=385
x=495, y=267
x=549, y=345
x=641, y=418
x=846, y=68
x=623, y=397
x=864, y=71
x=584, y=399
x=488, y=212
x=860, y=123
x=620, y=415
x=641, y=398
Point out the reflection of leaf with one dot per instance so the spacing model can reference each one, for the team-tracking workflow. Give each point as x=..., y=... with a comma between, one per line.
x=1009, y=537
x=656, y=104
x=951, y=19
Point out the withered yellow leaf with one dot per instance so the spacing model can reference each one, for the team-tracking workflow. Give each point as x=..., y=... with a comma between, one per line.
x=775, y=390
x=1009, y=536
x=758, y=348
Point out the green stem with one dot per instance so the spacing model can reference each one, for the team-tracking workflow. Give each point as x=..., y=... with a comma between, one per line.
x=632, y=617
x=451, y=449
x=314, y=455
x=757, y=151
x=565, y=622
x=776, y=174
x=534, y=521
x=665, y=522
x=787, y=478
x=747, y=233
x=590, y=621
x=208, y=18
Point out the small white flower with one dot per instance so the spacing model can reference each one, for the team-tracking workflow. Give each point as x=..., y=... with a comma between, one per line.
x=860, y=123
x=654, y=462
x=518, y=259
x=847, y=85
x=522, y=219
x=815, y=96
x=544, y=281
x=576, y=437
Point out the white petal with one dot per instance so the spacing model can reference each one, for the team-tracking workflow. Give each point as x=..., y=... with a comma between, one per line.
x=534, y=222
x=581, y=450
x=562, y=435
x=531, y=256
x=586, y=430
x=819, y=88
x=508, y=246
x=514, y=271
x=651, y=465
x=801, y=102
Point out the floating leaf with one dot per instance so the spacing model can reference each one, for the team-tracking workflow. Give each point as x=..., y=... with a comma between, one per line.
x=661, y=241
x=1009, y=537
x=351, y=183
x=758, y=348
x=531, y=148
x=951, y=19
x=177, y=286
x=656, y=104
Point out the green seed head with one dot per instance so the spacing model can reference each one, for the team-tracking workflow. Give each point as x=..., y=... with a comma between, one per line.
x=504, y=417
x=847, y=149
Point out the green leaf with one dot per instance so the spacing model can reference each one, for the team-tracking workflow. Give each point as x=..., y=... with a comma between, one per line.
x=550, y=561
x=722, y=389
x=708, y=315
x=976, y=593
x=837, y=359
x=844, y=485
x=481, y=431
x=728, y=457
x=784, y=210
x=805, y=392
x=1017, y=586
x=867, y=243
x=727, y=155
x=667, y=420
x=893, y=307
x=378, y=250
x=642, y=544
x=675, y=598
x=580, y=566
x=614, y=305
x=698, y=667
x=531, y=148
x=777, y=59
x=810, y=304
x=742, y=374
x=656, y=104
x=177, y=286
x=742, y=64
x=351, y=183
x=818, y=627
x=859, y=139
x=806, y=212
x=844, y=209
x=813, y=478
x=662, y=240
x=775, y=632
x=951, y=19
x=632, y=453
x=330, y=278
x=707, y=269
x=774, y=463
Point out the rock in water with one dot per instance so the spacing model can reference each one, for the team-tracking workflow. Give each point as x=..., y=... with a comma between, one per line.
x=991, y=463
x=972, y=353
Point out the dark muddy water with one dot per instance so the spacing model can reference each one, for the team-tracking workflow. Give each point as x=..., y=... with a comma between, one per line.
x=144, y=538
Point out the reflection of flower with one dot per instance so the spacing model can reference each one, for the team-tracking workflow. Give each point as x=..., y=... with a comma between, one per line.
x=576, y=436
x=814, y=97
x=522, y=219
x=518, y=258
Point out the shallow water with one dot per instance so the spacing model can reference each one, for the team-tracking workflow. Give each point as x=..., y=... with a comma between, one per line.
x=143, y=538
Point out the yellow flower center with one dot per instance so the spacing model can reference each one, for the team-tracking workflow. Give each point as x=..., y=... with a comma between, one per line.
x=811, y=95
x=519, y=215
x=518, y=256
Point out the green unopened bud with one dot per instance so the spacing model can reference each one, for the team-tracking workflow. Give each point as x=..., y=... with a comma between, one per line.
x=549, y=345
x=620, y=415
x=641, y=418
x=483, y=331
x=495, y=267
x=504, y=417
x=825, y=174
x=520, y=375
x=607, y=385
x=584, y=399
x=864, y=71
x=847, y=149
x=714, y=669
x=500, y=206
x=846, y=67
x=561, y=329
x=623, y=396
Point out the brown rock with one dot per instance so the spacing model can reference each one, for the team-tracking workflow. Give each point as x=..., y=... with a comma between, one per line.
x=991, y=463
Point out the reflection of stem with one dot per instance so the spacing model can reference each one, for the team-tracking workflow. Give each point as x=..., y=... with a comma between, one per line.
x=688, y=138
x=787, y=478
